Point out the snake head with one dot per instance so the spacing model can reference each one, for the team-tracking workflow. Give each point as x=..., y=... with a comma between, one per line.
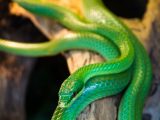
x=69, y=90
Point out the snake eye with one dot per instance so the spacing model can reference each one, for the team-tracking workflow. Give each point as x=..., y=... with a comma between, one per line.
x=77, y=90
x=74, y=94
x=68, y=96
x=69, y=90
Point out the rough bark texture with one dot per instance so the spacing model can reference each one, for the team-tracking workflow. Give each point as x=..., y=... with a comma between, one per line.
x=147, y=29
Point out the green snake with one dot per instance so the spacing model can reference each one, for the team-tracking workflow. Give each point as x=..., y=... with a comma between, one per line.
x=127, y=64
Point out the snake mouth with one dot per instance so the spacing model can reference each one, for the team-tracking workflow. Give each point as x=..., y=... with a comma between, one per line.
x=58, y=113
x=62, y=113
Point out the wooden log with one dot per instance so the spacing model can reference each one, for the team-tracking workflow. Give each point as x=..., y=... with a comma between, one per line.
x=147, y=29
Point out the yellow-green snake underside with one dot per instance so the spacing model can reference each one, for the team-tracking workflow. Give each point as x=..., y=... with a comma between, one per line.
x=127, y=66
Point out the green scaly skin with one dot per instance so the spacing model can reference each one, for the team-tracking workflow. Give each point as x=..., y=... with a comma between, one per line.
x=99, y=31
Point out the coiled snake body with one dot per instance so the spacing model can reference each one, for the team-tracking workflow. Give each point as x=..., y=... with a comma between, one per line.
x=100, y=31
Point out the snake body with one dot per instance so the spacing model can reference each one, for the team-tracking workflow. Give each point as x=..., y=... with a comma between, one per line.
x=100, y=31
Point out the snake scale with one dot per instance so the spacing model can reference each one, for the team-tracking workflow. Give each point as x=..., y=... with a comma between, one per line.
x=127, y=64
